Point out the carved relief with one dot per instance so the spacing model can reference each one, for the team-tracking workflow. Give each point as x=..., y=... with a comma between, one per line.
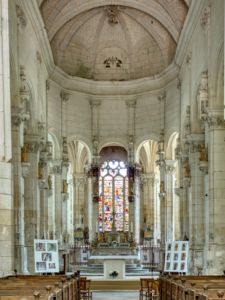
x=203, y=153
x=112, y=12
x=202, y=97
x=205, y=18
x=187, y=122
x=187, y=170
x=21, y=16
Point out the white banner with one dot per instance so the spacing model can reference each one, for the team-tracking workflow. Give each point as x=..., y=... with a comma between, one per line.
x=46, y=256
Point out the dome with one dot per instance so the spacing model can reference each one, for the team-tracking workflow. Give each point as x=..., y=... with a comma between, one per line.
x=113, y=40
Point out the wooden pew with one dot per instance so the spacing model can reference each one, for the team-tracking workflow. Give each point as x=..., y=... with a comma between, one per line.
x=190, y=287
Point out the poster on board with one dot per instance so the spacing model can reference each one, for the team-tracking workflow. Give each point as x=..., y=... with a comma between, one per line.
x=46, y=256
x=176, y=257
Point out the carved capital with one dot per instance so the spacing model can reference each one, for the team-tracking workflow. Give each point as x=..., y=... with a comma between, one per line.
x=42, y=184
x=94, y=103
x=162, y=96
x=64, y=96
x=131, y=103
x=170, y=166
x=56, y=169
x=19, y=116
x=216, y=122
x=148, y=178
x=33, y=141
x=25, y=166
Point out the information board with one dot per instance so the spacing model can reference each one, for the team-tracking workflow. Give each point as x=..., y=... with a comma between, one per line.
x=176, y=258
x=46, y=256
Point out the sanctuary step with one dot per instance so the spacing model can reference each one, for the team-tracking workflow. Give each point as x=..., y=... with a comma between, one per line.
x=131, y=270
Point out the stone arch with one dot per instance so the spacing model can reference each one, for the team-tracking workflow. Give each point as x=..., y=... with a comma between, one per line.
x=79, y=155
x=114, y=142
x=219, y=78
x=171, y=145
x=55, y=139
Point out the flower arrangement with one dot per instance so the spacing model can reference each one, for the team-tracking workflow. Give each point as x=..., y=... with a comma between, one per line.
x=113, y=274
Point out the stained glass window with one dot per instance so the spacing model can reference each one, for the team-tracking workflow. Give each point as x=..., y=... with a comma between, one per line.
x=113, y=196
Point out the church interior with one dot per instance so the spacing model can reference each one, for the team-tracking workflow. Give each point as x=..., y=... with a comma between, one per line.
x=112, y=142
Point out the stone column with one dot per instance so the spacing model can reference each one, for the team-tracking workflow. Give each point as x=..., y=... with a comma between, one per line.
x=30, y=193
x=196, y=206
x=57, y=172
x=137, y=210
x=148, y=180
x=216, y=219
x=6, y=177
x=80, y=196
x=134, y=196
x=94, y=169
x=169, y=187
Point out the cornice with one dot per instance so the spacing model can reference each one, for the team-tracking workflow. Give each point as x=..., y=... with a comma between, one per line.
x=115, y=88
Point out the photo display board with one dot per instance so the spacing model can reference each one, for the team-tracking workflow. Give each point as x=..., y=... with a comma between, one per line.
x=46, y=256
x=176, y=259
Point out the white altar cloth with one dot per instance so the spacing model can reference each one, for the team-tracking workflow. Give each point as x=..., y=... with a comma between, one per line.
x=114, y=263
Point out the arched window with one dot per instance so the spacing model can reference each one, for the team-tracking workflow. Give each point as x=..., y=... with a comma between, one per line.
x=113, y=200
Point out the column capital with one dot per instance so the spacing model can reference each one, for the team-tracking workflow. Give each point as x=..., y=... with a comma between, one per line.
x=131, y=103
x=170, y=165
x=148, y=178
x=19, y=116
x=94, y=103
x=162, y=96
x=64, y=96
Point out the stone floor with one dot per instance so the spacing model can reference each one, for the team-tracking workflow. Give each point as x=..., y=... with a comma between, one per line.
x=116, y=295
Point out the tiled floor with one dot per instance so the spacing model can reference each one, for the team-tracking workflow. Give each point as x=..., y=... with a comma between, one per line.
x=113, y=295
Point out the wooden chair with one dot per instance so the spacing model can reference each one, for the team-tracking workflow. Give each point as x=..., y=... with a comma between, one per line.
x=85, y=289
x=145, y=291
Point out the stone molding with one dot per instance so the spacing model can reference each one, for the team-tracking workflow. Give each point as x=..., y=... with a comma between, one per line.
x=21, y=17
x=205, y=17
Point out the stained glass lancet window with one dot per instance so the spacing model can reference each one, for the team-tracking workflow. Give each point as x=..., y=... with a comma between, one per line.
x=113, y=199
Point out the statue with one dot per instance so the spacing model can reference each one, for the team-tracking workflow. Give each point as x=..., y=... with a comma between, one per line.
x=203, y=153
x=50, y=182
x=40, y=170
x=24, y=153
x=65, y=186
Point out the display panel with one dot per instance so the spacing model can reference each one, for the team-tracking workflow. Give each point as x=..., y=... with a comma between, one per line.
x=176, y=257
x=46, y=256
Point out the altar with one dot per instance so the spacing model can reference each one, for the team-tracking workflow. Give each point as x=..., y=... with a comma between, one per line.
x=114, y=264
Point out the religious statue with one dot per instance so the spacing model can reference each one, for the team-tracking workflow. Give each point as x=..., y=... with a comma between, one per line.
x=24, y=153
x=50, y=182
x=65, y=186
x=187, y=171
x=203, y=153
x=40, y=170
